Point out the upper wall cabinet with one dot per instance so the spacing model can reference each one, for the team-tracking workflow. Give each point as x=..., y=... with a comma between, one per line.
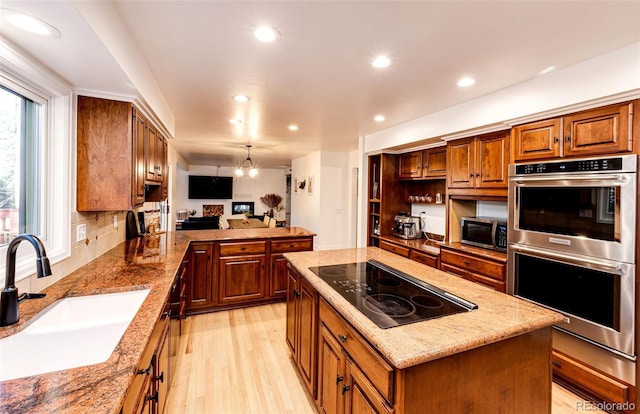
x=112, y=139
x=605, y=130
x=430, y=163
x=478, y=163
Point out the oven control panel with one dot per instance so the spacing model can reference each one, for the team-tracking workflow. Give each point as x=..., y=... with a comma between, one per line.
x=590, y=165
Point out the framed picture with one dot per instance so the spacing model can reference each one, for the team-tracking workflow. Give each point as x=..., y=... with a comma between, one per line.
x=311, y=184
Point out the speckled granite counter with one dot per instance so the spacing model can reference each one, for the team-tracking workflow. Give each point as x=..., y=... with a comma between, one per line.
x=101, y=388
x=498, y=316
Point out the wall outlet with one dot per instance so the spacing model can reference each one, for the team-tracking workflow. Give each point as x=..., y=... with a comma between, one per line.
x=81, y=232
x=115, y=221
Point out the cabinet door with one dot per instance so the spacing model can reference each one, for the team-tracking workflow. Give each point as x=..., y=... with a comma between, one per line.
x=599, y=131
x=161, y=372
x=293, y=301
x=331, y=373
x=360, y=395
x=278, y=277
x=242, y=278
x=460, y=161
x=410, y=165
x=537, y=140
x=492, y=159
x=159, y=159
x=200, y=276
x=434, y=162
x=307, y=330
x=139, y=131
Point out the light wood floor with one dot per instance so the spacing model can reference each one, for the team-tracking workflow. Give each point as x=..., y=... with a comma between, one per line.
x=237, y=362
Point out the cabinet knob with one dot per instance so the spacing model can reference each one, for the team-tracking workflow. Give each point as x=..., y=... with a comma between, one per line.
x=477, y=174
x=160, y=377
x=567, y=138
x=342, y=338
x=338, y=379
x=154, y=397
x=145, y=371
x=555, y=140
x=345, y=388
x=467, y=262
x=296, y=293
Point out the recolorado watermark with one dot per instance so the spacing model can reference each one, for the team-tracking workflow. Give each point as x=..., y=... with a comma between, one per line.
x=605, y=406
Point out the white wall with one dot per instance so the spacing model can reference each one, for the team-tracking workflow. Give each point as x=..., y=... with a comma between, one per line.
x=244, y=188
x=329, y=209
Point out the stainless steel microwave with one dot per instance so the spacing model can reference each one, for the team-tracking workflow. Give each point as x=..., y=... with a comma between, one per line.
x=488, y=233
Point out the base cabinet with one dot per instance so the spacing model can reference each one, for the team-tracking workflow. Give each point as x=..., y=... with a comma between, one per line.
x=302, y=316
x=150, y=386
x=200, y=280
x=476, y=268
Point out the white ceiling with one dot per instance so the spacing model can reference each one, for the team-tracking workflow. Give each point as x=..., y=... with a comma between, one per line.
x=318, y=75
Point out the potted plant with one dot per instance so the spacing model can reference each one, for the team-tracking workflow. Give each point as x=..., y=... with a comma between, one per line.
x=272, y=201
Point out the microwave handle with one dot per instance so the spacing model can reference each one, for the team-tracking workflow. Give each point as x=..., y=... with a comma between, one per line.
x=605, y=266
x=600, y=178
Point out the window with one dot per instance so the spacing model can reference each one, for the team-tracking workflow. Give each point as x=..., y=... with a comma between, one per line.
x=36, y=165
x=20, y=164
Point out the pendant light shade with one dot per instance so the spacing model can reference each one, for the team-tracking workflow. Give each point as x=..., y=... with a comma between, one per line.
x=247, y=164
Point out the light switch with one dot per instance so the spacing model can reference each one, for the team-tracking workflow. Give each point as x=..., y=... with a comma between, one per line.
x=115, y=221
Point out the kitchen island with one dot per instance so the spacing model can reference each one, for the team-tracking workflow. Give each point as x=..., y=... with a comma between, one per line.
x=496, y=358
x=149, y=263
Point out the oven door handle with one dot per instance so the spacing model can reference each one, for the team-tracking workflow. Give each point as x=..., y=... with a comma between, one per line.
x=599, y=264
x=600, y=178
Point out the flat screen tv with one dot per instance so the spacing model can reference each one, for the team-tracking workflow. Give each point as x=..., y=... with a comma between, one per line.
x=210, y=187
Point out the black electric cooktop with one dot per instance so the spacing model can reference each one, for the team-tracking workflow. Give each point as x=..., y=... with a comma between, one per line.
x=388, y=296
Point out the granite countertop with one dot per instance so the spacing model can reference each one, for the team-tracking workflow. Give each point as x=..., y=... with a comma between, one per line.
x=498, y=317
x=139, y=263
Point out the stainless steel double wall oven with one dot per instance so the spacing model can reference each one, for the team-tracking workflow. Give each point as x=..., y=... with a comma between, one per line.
x=572, y=226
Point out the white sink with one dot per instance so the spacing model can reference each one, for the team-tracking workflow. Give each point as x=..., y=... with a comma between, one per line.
x=71, y=333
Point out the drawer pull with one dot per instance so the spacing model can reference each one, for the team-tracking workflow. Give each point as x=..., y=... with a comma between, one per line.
x=342, y=338
x=338, y=379
x=467, y=262
x=556, y=364
x=291, y=246
x=345, y=388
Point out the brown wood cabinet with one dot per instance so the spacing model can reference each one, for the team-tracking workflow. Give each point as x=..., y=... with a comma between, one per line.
x=110, y=143
x=429, y=163
x=242, y=273
x=574, y=373
x=112, y=148
x=200, y=285
x=479, y=268
x=150, y=386
x=478, y=163
x=352, y=376
x=302, y=327
x=232, y=274
x=605, y=130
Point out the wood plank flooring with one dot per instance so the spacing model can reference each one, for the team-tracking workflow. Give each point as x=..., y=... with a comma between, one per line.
x=237, y=362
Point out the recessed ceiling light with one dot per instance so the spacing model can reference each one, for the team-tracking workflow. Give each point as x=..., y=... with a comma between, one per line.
x=381, y=61
x=547, y=70
x=293, y=127
x=241, y=98
x=379, y=118
x=29, y=24
x=266, y=34
x=235, y=121
x=466, y=81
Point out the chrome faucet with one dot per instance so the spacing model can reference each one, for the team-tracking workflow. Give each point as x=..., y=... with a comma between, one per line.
x=9, y=313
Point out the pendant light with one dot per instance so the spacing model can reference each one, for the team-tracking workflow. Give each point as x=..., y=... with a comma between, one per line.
x=247, y=164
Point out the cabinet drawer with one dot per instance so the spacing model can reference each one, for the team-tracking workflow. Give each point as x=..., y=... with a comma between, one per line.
x=376, y=369
x=424, y=258
x=593, y=381
x=402, y=251
x=485, y=267
x=294, y=245
x=230, y=249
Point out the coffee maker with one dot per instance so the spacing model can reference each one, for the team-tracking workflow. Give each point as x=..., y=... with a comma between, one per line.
x=405, y=226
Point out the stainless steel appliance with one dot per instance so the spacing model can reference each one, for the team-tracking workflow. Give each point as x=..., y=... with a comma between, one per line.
x=584, y=206
x=388, y=296
x=405, y=226
x=484, y=232
x=572, y=247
